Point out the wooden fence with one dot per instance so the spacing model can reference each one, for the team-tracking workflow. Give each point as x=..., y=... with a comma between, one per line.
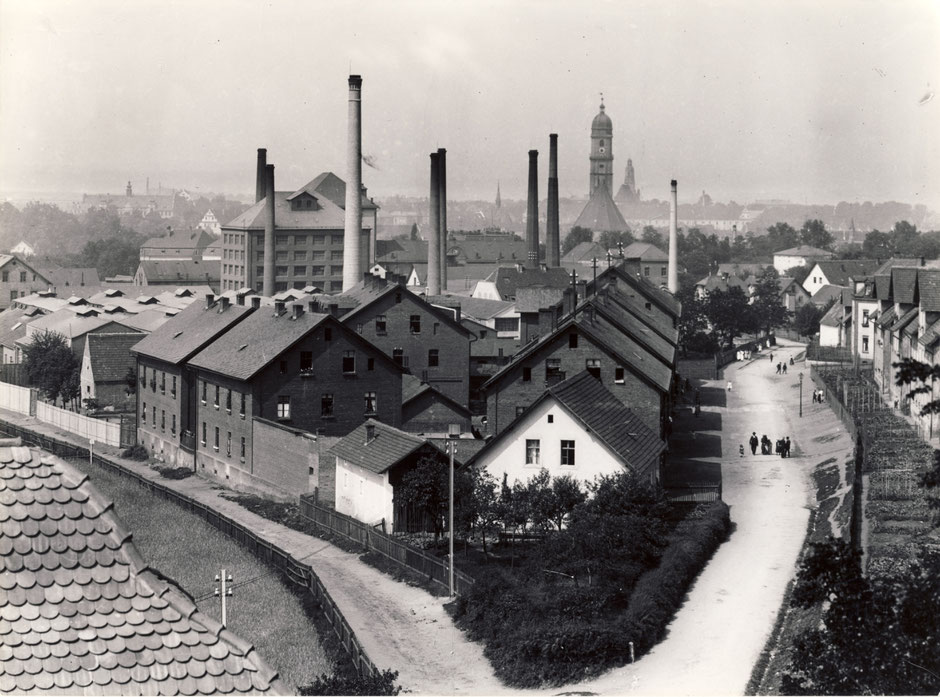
x=16, y=398
x=85, y=426
x=297, y=572
x=434, y=568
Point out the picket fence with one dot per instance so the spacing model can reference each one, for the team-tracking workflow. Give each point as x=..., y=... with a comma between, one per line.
x=15, y=398
x=93, y=429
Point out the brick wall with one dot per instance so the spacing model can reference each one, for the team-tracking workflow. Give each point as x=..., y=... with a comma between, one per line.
x=429, y=413
x=287, y=458
x=156, y=392
x=451, y=375
x=513, y=391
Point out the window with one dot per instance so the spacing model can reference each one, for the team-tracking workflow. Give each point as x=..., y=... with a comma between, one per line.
x=415, y=324
x=646, y=270
x=162, y=382
x=280, y=270
x=283, y=406
x=306, y=361
x=572, y=341
x=243, y=449
x=326, y=405
x=618, y=375
x=301, y=240
x=567, y=453
x=662, y=270
x=143, y=413
x=318, y=255
x=349, y=362
x=241, y=410
x=6, y=276
x=300, y=256
x=371, y=403
x=358, y=327
x=173, y=386
x=551, y=418
x=163, y=419
x=593, y=366
x=203, y=441
x=216, y=402
x=398, y=355
x=370, y=364
x=204, y=388
x=228, y=400
x=153, y=414
x=316, y=270
x=281, y=256
x=526, y=374
x=435, y=327
x=282, y=366
x=318, y=239
x=507, y=324
x=649, y=306
x=22, y=277
x=259, y=271
x=432, y=358
x=336, y=255
x=300, y=270
x=328, y=334
x=381, y=326
x=553, y=368
x=532, y=451
x=228, y=445
x=864, y=344
x=215, y=445
x=865, y=318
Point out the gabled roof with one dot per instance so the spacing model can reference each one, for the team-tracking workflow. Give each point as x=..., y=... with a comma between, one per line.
x=903, y=285
x=711, y=283
x=181, y=271
x=330, y=193
x=585, y=251
x=191, y=330
x=401, y=251
x=110, y=355
x=62, y=277
x=928, y=289
x=365, y=293
x=655, y=321
x=629, y=273
x=384, y=450
x=82, y=608
x=477, y=308
x=508, y=279
x=180, y=239
x=68, y=324
x=905, y=319
x=833, y=316
x=805, y=250
x=491, y=250
x=827, y=293
x=931, y=335
x=412, y=388
x=602, y=415
x=839, y=271
x=644, y=251
x=634, y=329
x=539, y=298
x=887, y=317
x=13, y=323
x=747, y=269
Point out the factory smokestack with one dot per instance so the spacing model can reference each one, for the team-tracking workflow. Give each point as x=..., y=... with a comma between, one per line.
x=532, y=212
x=267, y=282
x=673, y=274
x=261, y=185
x=434, y=236
x=352, y=235
x=442, y=180
x=552, y=244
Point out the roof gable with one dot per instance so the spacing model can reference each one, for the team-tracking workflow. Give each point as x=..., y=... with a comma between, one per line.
x=386, y=447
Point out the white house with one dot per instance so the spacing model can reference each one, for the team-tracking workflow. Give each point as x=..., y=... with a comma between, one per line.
x=576, y=428
x=837, y=272
x=798, y=256
x=370, y=463
x=24, y=250
x=210, y=223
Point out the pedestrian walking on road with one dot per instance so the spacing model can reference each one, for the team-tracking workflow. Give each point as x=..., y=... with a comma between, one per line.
x=778, y=448
x=771, y=356
x=786, y=447
x=814, y=396
x=784, y=368
x=791, y=362
x=778, y=369
x=754, y=442
x=765, y=445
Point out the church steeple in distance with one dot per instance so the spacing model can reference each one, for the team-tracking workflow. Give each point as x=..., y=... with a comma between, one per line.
x=602, y=155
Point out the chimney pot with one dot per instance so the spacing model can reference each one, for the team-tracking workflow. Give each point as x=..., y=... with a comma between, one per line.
x=255, y=302
x=334, y=309
x=312, y=307
x=224, y=302
x=279, y=307
x=210, y=299
x=297, y=310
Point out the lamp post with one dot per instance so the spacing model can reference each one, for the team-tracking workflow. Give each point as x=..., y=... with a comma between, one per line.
x=453, y=432
x=801, y=394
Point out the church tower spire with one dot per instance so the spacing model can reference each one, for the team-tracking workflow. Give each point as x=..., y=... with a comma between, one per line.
x=602, y=155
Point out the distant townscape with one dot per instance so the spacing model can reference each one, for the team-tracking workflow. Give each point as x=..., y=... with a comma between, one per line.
x=539, y=410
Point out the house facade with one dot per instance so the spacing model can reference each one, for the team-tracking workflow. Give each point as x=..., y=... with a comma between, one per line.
x=105, y=367
x=17, y=278
x=799, y=256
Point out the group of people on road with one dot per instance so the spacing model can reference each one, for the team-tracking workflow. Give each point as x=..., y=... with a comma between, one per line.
x=818, y=396
x=782, y=368
x=781, y=448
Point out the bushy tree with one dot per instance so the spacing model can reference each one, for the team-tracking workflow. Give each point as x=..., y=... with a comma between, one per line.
x=576, y=236
x=427, y=487
x=654, y=237
x=806, y=320
x=814, y=234
x=51, y=366
x=768, y=310
x=611, y=240
x=729, y=314
x=379, y=684
x=567, y=495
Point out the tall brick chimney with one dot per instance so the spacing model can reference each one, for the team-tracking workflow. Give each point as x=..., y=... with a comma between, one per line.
x=552, y=243
x=267, y=281
x=442, y=180
x=532, y=212
x=434, y=218
x=352, y=235
x=672, y=282
x=260, y=186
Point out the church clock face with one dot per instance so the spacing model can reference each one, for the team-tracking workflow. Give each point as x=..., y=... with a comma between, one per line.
x=602, y=150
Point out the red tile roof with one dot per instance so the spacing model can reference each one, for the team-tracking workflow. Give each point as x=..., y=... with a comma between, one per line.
x=83, y=613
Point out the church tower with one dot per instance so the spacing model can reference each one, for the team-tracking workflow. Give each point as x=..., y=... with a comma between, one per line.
x=602, y=156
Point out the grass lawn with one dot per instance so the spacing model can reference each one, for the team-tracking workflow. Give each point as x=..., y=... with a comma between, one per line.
x=183, y=547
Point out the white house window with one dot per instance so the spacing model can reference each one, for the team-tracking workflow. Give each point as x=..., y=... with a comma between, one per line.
x=283, y=406
x=618, y=375
x=371, y=403
x=865, y=318
x=567, y=453
x=864, y=344
x=532, y=451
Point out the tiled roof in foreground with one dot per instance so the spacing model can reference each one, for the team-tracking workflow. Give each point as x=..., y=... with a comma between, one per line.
x=81, y=611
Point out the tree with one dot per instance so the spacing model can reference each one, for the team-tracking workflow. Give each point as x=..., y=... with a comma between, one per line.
x=806, y=320
x=693, y=325
x=576, y=236
x=652, y=236
x=878, y=245
x=51, y=366
x=611, y=240
x=878, y=635
x=798, y=273
x=769, y=312
x=566, y=496
x=781, y=236
x=130, y=381
x=427, y=487
x=729, y=314
x=487, y=505
x=814, y=234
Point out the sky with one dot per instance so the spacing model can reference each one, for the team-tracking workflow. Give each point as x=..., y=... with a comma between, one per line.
x=813, y=102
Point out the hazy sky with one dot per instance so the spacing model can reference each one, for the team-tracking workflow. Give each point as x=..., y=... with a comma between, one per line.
x=808, y=101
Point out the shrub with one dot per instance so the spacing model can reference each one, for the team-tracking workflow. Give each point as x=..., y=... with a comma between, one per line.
x=380, y=684
x=136, y=452
x=175, y=472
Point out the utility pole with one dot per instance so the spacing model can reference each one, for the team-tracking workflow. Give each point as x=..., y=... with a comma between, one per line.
x=225, y=592
x=594, y=264
x=453, y=432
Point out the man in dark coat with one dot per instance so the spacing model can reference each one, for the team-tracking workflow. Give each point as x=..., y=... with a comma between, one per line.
x=754, y=441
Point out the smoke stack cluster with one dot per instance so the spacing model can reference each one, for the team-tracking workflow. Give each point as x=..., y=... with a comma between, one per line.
x=260, y=182
x=673, y=273
x=352, y=234
x=532, y=212
x=434, y=217
x=552, y=242
x=442, y=203
x=267, y=283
